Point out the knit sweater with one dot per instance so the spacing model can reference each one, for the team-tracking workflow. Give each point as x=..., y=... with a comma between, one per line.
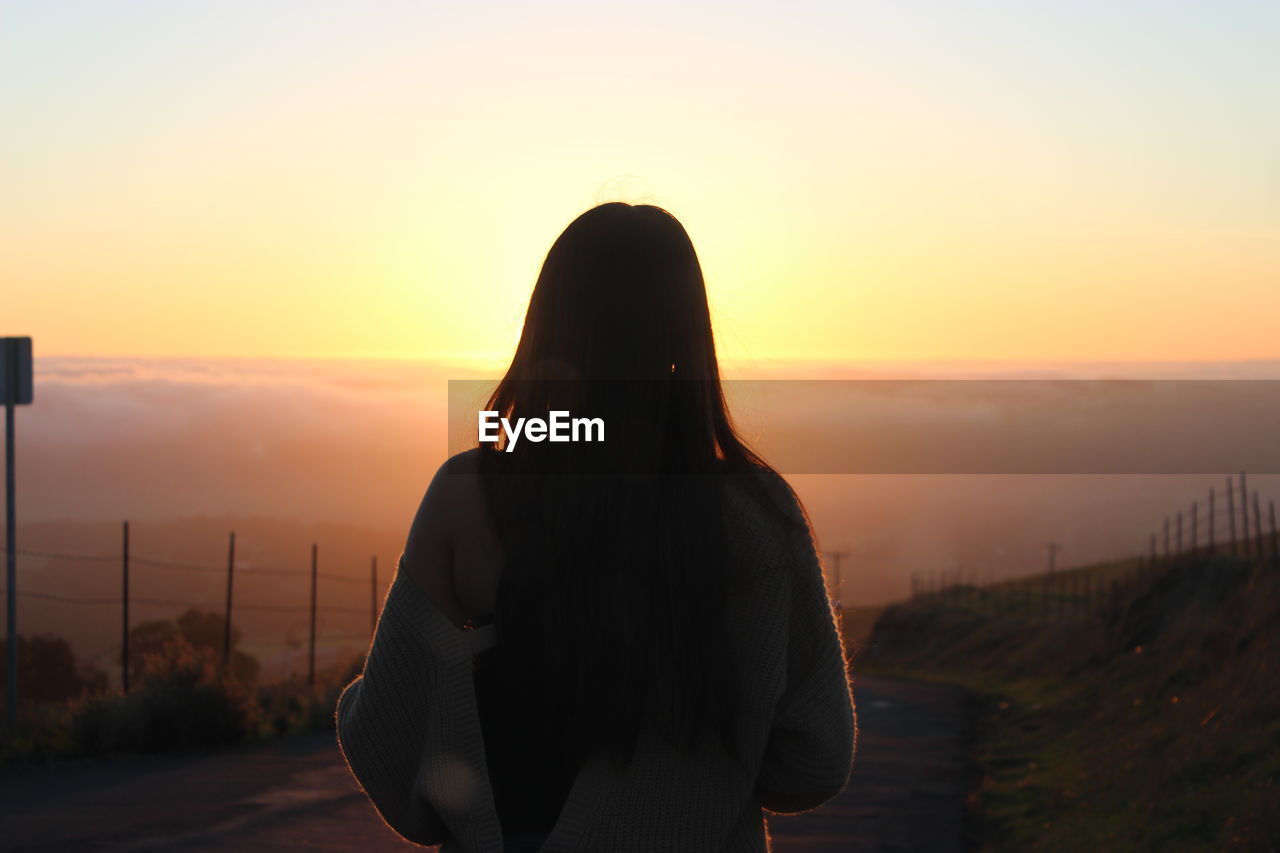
x=409, y=729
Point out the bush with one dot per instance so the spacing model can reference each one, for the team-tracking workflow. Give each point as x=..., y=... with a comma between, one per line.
x=40, y=734
x=201, y=630
x=183, y=701
x=293, y=706
x=47, y=670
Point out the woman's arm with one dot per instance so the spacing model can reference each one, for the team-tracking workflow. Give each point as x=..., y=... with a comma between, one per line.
x=398, y=724
x=814, y=735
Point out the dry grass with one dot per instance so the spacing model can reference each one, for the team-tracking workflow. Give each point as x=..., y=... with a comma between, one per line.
x=1152, y=724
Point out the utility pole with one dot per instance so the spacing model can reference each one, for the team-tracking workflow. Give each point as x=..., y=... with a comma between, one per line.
x=1054, y=548
x=16, y=387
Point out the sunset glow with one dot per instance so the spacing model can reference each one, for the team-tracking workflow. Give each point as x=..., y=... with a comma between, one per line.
x=353, y=180
x=374, y=480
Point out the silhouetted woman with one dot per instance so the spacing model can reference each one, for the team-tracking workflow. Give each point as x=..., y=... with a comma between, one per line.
x=605, y=646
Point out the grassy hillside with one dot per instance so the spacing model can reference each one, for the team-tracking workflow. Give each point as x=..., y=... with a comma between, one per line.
x=1150, y=721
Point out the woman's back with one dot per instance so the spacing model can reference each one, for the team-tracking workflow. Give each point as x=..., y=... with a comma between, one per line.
x=795, y=743
x=522, y=723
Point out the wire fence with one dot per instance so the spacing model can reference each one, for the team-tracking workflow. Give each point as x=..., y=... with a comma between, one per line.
x=1228, y=522
x=228, y=606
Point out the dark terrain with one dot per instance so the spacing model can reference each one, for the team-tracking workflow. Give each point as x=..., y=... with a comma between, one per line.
x=906, y=793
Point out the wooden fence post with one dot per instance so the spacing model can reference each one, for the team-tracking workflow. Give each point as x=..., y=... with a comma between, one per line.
x=226, y=626
x=124, y=617
x=1194, y=528
x=1231, y=516
x=1257, y=527
x=1210, y=519
x=311, y=659
x=1275, y=542
x=1244, y=517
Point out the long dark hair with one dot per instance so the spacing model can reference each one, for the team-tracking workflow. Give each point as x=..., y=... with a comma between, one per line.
x=611, y=603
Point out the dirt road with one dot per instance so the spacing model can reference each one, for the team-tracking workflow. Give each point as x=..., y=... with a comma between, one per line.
x=906, y=794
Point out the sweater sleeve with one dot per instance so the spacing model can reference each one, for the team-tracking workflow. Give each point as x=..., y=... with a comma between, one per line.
x=380, y=725
x=809, y=753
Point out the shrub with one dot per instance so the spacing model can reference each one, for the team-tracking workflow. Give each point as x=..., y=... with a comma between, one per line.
x=293, y=706
x=47, y=670
x=201, y=630
x=183, y=701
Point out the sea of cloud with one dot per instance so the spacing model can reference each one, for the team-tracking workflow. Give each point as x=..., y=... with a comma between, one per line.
x=357, y=442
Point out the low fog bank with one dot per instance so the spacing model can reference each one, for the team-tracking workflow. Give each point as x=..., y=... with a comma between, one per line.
x=163, y=439
x=355, y=443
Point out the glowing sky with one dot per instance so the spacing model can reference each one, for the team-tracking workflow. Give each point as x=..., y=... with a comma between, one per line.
x=863, y=181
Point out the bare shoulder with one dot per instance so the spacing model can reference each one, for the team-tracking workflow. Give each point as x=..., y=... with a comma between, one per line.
x=429, y=547
x=456, y=478
x=452, y=531
x=466, y=462
x=460, y=488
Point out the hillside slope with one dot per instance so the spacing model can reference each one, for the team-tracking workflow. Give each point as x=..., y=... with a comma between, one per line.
x=1150, y=724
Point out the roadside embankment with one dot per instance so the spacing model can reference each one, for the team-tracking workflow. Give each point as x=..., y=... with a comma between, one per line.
x=1152, y=722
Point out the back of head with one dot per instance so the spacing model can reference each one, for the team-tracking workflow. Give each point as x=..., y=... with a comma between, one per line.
x=620, y=296
x=613, y=589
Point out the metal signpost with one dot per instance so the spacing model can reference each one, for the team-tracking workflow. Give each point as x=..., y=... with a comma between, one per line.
x=16, y=389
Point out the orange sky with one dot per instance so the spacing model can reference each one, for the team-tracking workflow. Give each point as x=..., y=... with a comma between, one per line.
x=334, y=179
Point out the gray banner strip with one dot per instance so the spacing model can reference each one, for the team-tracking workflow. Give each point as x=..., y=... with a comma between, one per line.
x=983, y=426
